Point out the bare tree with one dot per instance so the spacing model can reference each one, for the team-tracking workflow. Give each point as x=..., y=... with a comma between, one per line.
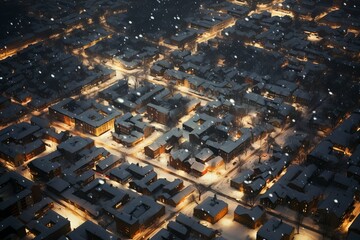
x=200, y=190
x=249, y=198
x=299, y=219
x=193, y=199
x=145, y=68
x=252, y=4
x=326, y=226
x=240, y=163
x=140, y=75
x=172, y=88
x=137, y=79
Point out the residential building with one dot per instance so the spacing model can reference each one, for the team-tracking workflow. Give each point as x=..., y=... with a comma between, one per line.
x=211, y=209
x=138, y=214
x=275, y=229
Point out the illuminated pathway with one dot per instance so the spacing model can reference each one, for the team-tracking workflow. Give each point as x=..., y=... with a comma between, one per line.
x=200, y=186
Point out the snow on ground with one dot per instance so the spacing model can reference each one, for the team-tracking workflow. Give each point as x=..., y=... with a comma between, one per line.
x=233, y=230
x=229, y=228
x=162, y=162
x=161, y=173
x=73, y=217
x=305, y=234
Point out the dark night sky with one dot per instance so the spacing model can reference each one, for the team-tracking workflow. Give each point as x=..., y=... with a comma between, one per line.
x=10, y=9
x=162, y=13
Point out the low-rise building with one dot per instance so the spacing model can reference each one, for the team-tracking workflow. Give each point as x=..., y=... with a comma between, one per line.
x=195, y=227
x=170, y=110
x=230, y=149
x=252, y=218
x=19, y=143
x=335, y=208
x=130, y=130
x=138, y=214
x=131, y=99
x=18, y=193
x=185, y=38
x=87, y=115
x=57, y=185
x=211, y=209
x=185, y=227
x=179, y=159
x=108, y=163
x=294, y=189
x=212, y=21
x=179, y=197
x=66, y=110
x=12, y=228
x=164, y=143
x=90, y=230
x=46, y=167
x=97, y=120
x=340, y=143
x=50, y=225
x=96, y=198
x=275, y=229
x=165, y=234
x=71, y=148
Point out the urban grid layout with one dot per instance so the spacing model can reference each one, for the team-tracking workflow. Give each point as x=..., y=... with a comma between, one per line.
x=180, y=119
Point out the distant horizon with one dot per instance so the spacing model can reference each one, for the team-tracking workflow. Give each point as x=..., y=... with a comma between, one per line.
x=170, y=119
